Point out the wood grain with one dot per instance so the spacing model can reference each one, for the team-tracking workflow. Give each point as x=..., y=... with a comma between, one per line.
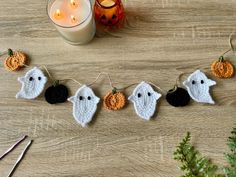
x=162, y=39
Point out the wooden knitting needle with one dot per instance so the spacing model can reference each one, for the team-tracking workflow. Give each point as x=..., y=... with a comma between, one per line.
x=20, y=158
x=13, y=147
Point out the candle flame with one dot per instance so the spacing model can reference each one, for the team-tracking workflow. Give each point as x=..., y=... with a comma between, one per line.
x=58, y=12
x=73, y=3
x=73, y=19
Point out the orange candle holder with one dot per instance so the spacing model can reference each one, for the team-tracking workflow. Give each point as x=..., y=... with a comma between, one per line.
x=109, y=12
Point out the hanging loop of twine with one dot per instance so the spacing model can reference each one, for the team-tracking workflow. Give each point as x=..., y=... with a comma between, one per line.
x=99, y=75
x=231, y=46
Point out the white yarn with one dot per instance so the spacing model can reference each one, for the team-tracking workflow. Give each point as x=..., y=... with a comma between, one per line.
x=84, y=105
x=33, y=84
x=145, y=100
x=198, y=85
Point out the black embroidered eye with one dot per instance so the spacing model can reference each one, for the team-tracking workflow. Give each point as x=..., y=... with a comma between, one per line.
x=80, y=98
x=202, y=81
x=89, y=98
x=31, y=78
x=39, y=78
x=139, y=95
x=103, y=17
x=193, y=82
x=114, y=16
x=149, y=94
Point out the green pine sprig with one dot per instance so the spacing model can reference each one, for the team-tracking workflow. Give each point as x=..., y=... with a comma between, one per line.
x=192, y=163
x=231, y=157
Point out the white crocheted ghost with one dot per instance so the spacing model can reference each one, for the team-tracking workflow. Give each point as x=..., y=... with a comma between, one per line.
x=84, y=105
x=32, y=84
x=145, y=100
x=198, y=85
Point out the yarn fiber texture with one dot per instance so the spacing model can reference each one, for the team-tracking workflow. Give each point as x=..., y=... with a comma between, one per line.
x=198, y=87
x=84, y=105
x=178, y=97
x=16, y=61
x=114, y=101
x=33, y=84
x=145, y=100
x=56, y=94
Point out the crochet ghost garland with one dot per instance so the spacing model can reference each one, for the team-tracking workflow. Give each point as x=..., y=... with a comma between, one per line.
x=144, y=98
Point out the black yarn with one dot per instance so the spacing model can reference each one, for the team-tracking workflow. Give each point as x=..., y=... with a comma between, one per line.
x=56, y=94
x=178, y=97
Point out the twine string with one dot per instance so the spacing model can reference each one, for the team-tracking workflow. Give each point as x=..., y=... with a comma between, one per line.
x=128, y=86
x=99, y=75
x=110, y=82
x=48, y=73
x=226, y=52
x=178, y=79
x=157, y=87
x=71, y=79
x=230, y=44
x=123, y=88
x=61, y=80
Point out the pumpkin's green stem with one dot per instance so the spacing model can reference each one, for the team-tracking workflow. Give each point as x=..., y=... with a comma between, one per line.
x=221, y=58
x=10, y=52
x=56, y=83
x=114, y=90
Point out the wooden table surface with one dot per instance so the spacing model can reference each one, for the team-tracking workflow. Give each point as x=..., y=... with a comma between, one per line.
x=162, y=39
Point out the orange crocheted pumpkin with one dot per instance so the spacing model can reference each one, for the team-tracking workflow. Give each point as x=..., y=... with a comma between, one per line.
x=222, y=68
x=15, y=60
x=114, y=100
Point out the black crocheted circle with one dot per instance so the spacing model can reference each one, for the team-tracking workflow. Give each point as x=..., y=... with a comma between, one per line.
x=178, y=97
x=56, y=94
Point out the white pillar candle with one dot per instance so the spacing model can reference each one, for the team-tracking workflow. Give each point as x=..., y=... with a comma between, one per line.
x=73, y=19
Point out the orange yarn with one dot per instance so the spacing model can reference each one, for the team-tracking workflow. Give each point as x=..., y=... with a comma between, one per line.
x=222, y=68
x=114, y=101
x=15, y=61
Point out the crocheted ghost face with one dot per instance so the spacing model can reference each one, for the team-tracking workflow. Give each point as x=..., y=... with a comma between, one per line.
x=84, y=105
x=144, y=99
x=198, y=85
x=32, y=84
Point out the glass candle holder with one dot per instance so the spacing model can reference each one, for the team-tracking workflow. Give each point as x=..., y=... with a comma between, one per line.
x=109, y=12
x=73, y=19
